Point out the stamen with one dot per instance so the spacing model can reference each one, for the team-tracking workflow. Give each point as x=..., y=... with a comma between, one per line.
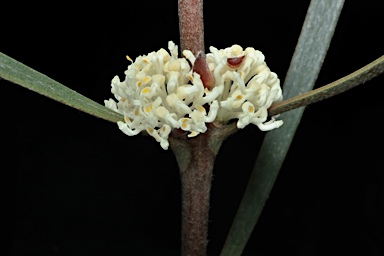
x=128, y=58
x=162, y=92
x=145, y=90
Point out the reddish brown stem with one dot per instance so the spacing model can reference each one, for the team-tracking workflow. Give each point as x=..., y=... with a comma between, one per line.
x=192, y=37
x=196, y=157
x=196, y=186
x=191, y=25
x=196, y=161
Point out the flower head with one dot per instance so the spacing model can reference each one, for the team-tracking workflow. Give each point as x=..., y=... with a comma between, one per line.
x=161, y=92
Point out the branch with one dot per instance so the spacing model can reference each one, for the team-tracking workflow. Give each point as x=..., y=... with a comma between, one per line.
x=191, y=26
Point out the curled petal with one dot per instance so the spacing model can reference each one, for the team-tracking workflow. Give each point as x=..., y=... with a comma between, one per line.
x=162, y=92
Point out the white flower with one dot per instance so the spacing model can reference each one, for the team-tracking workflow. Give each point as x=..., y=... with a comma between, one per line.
x=161, y=92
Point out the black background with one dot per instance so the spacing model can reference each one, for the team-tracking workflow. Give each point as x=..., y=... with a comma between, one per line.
x=78, y=186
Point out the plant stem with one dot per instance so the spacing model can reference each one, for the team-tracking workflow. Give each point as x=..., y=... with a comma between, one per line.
x=191, y=25
x=196, y=186
x=196, y=157
x=196, y=164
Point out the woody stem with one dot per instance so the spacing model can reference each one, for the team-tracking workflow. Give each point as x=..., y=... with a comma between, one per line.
x=196, y=157
x=195, y=161
x=191, y=25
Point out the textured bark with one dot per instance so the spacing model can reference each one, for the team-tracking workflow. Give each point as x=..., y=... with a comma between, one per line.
x=191, y=25
x=196, y=186
x=196, y=157
x=191, y=28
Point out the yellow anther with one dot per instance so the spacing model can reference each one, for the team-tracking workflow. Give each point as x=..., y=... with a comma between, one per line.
x=138, y=84
x=128, y=58
x=150, y=129
x=200, y=108
x=184, y=125
x=193, y=134
x=126, y=119
x=145, y=79
x=250, y=109
x=148, y=109
x=136, y=112
x=239, y=97
x=145, y=90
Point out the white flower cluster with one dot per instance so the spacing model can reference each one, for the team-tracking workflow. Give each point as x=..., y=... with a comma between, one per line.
x=161, y=92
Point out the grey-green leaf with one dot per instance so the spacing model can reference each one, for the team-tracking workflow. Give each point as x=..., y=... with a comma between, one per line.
x=314, y=40
x=29, y=78
x=343, y=84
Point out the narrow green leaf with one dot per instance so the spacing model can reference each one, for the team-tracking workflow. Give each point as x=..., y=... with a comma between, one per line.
x=343, y=84
x=29, y=78
x=314, y=40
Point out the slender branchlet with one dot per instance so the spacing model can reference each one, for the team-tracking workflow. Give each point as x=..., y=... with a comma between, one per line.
x=196, y=157
x=191, y=25
x=191, y=28
x=195, y=176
